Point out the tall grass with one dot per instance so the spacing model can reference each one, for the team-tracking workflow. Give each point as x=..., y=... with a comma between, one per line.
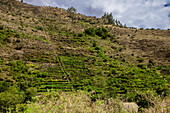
x=80, y=102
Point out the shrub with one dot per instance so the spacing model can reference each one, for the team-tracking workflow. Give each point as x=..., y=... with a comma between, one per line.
x=142, y=66
x=140, y=59
x=90, y=31
x=101, y=32
x=10, y=98
x=4, y=86
x=114, y=71
x=30, y=92
x=72, y=9
x=94, y=44
x=108, y=18
x=1, y=27
x=144, y=99
x=113, y=65
x=80, y=35
x=39, y=28
x=21, y=108
x=97, y=48
x=151, y=62
x=3, y=38
x=141, y=29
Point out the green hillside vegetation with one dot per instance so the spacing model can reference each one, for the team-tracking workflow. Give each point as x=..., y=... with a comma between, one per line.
x=48, y=53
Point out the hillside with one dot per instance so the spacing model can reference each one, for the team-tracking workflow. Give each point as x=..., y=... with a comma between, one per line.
x=46, y=48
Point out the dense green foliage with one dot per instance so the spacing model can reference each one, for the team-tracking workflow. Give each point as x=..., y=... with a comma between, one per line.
x=108, y=19
x=101, y=32
x=3, y=37
x=20, y=84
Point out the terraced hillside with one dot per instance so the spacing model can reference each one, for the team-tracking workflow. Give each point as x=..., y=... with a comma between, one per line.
x=47, y=48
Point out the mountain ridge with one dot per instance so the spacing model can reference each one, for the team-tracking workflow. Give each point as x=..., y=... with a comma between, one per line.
x=47, y=48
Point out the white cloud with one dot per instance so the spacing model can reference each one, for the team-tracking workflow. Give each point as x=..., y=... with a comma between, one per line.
x=137, y=13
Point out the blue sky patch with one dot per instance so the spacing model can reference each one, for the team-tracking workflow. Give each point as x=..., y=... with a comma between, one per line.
x=167, y=5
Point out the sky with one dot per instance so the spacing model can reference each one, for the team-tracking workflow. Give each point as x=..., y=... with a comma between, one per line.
x=133, y=13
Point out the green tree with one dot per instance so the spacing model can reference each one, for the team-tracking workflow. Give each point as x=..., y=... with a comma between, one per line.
x=71, y=11
x=108, y=18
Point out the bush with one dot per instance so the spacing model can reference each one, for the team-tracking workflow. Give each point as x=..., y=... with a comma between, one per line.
x=114, y=71
x=97, y=48
x=108, y=18
x=151, y=63
x=1, y=27
x=3, y=38
x=90, y=31
x=39, y=28
x=4, y=86
x=80, y=35
x=140, y=60
x=113, y=65
x=144, y=99
x=10, y=98
x=30, y=92
x=20, y=108
x=94, y=44
x=72, y=9
x=101, y=32
x=141, y=66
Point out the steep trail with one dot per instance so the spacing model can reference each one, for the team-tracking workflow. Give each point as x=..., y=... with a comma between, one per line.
x=63, y=83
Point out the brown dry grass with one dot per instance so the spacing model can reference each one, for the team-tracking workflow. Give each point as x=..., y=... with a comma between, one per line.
x=80, y=102
x=152, y=44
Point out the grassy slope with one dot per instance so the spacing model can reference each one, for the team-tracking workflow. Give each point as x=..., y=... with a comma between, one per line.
x=40, y=36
